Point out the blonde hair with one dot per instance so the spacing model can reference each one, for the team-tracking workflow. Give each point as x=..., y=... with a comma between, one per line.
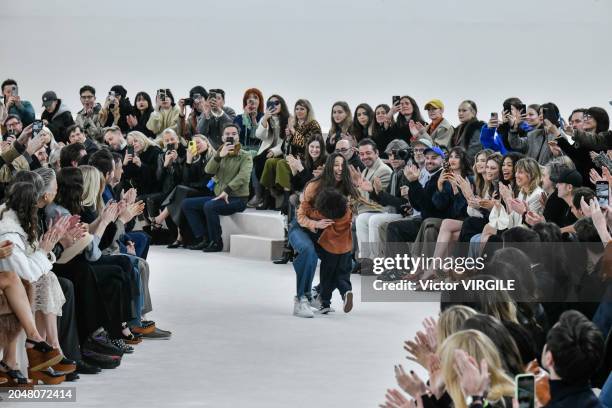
x=145, y=141
x=451, y=320
x=478, y=346
x=532, y=168
x=93, y=185
x=210, y=151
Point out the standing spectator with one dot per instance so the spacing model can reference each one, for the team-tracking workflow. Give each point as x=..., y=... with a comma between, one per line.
x=13, y=105
x=165, y=115
x=363, y=123
x=141, y=112
x=88, y=118
x=187, y=125
x=467, y=134
x=116, y=109
x=341, y=124
x=231, y=168
x=56, y=116
x=382, y=132
x=214, y=116
x=439, y=130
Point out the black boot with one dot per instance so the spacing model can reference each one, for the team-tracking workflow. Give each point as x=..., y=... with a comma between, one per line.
x=268, y=201
x=284, y=208
x=286, y=257
x=214, y=246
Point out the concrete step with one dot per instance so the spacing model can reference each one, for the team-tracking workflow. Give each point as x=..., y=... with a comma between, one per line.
x=256, y=247
x=265, y=224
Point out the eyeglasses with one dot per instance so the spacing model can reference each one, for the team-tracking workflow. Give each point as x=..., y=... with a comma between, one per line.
x=418, y=150
x=586, y=116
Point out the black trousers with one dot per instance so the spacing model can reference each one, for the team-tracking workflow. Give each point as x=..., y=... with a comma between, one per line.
x=93, y=310
x=335, y=273
x=66, y=323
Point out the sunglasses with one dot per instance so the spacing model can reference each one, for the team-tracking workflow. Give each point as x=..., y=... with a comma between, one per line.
x=275, y=103
x=343, y=150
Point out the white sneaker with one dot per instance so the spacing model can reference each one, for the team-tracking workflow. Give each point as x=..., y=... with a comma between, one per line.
x=348, y=301
x=304, y=308
x=296, y=306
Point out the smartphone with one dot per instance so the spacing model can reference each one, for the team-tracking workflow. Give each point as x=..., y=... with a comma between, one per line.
x=551, y=116
x=507, y=108
x=212, y=95
x=396, y=100
x=494, y=116
x=230, y=140
x=171, y=146
x=525, y=390
x=37, y=127
x=111, y=97
x=162, y=94
x=14, y=91
x=130, y=150
x=446, y=166
x=270, y=106
x=602, y=191
x=192, y=144
x=523, y=108
x=188, y=101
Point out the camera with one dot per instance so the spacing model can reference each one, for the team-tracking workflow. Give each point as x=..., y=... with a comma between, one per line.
x=188, y=101
x=403, y=154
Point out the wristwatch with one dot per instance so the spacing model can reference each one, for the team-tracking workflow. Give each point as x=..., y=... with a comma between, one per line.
x=474, y=399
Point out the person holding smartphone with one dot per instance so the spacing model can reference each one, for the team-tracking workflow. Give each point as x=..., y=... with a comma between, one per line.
x=536, y=143
x=12, y=104
x=215, y=115
x=187, y=124
x=494, y=135
x=116, y=109
x=407, y=110
x=165, y=115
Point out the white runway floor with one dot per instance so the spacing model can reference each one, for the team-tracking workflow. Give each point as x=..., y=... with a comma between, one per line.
x=236, y=343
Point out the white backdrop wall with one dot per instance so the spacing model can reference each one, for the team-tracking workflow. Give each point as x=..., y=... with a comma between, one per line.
x=358, y=51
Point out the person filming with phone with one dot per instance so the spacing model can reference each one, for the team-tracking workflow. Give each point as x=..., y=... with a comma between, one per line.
x=215, y=115
x=166, y=114
x=13, y=105
x=536, y=143
x=187, y=124
x=231, y=169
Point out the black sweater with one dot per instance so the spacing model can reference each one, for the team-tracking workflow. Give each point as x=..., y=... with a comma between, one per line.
x=143, y=178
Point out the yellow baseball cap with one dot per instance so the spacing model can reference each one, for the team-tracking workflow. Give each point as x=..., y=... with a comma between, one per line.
x=434, y=104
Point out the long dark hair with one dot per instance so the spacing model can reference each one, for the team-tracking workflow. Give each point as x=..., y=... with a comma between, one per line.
x=359, y=132
x=283, y=116
x=327, y=178
x=514, y=157
x=70, y=189
x=346, y=124
x=22, y=197
x=147, y=98
x=320, y=161
x=464, y=162
x=416, y=114
x=379, y=129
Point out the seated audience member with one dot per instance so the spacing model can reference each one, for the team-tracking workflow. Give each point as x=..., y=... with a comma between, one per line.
x=116, y=109
x=271, y=131
x=494, y=135
x=440, y=131
x=363, y=124
x=535, y=143
x=382, y=132
x=573, y=352
x=276, y=175
x=576, y=118
x=168, y=175
x=193, y=183
x=140, y=166
x=166, y=114
x=115, y=140
x=389, y=197
x=13, y=104
x=231, y=169
x=408, y=111
x=253, y=105
x=341, y=124
x=88, y=118
x=73, y=155
x=141, y=112
x=350, y=154
x=467, y=134
x=76, y=135
x=214, y=116
x=186, y=126
x=56, y=116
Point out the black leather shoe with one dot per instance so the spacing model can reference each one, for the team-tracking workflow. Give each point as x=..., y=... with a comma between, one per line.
x=199, y=246
x=285, y=258
x=175, y=244
x=214, y=246
x=86, y=368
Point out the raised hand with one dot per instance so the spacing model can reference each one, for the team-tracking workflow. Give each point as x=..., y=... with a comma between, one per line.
x=473, y=379
x=410, y=383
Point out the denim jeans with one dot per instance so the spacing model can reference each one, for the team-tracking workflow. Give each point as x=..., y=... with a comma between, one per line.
x=139, y=300
x=141, y=243
x=203, y=214
x=305, y=262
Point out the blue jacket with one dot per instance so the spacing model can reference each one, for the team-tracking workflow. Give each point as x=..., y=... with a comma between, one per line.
x=491, y=139
x=26, y=112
